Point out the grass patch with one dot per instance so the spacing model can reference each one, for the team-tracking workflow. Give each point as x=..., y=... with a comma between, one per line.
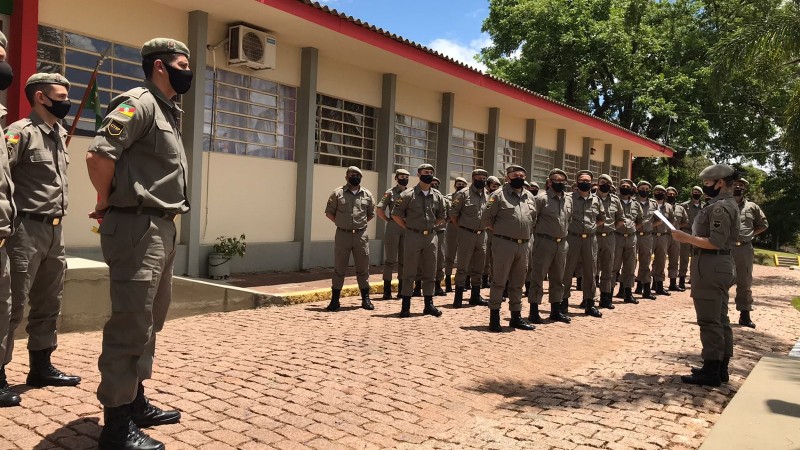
x=767, y=257
x=796, y=303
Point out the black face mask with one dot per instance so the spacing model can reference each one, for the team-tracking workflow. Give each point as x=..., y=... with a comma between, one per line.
x=435, y=186
x=354, y=180
x=479, y=184
x=6, y=75
x=584, y=186
x=427, y=179
x=625, y=191
x=697, y=196
x=738, y=192
x=59, y=108
x=517, y=183
x=604, y=188
x=558, y=187
x=180, y=80
x=660, y=196
x=710, y=191
x=460, y=187
x=535, y=191
x=671, y=200
x=403, y=181
x=644, y=194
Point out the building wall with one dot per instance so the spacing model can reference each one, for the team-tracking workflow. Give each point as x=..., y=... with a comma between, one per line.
x=470, y=117
x=574, y=144
x=418, y=101
x=326, y=179
x=512, y=127
x=546, y=136
x=343, y=80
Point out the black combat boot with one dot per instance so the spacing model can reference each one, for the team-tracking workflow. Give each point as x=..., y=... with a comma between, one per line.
x=582, y=304
x=366, y=302
x=120, y=433
x=519, y=323
x=564, y=305
x=646, y=292
x=744, y=319
x=485, y=282
x=724, y=376
x=527, y=289
x=639, y=288
x=578, y=283
x=144, y=414
x=533, y=316
x=458, y=299
x=682, y=283
x=44, y=374
x=399, y=288
x=494, y=321
x=591, y=310
x=429, y=308
x=660, y=289
x=7, y=396
x=467, y=284
x=334, y=304
x=621, y=291
x=387, y=290
x=448, y=284
x=629, y=297
x=673, y=285
x=556, y=315
x=405, y=309
x=607, y=300
x=417, y=289
x=475, y=298
x=438, y=291
x=707, y=376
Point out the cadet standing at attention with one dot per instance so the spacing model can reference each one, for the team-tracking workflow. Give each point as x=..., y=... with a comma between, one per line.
x=38, y=159
x=753, y=222
x=680, y=220
x=553, y=213
x=441, y=246
x=713, y=273
x=607, y=240
x=510, y=214
x=138, y=167
x=492, y=184
x=644, y=240
x=465, y=212
x=393, y=236
x=692, y=207
x=625, y=247
x=661, y=240
x=533, y=188
x=350, y=208
x=419, y=211
x=8, y=214
x=452, y=238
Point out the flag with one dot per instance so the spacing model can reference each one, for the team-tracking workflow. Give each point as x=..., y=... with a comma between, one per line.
x=93, y=103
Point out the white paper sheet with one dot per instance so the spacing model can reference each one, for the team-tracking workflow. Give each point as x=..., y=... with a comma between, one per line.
x=665, y=220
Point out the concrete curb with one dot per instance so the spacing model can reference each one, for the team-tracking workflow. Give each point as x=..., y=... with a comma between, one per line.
x=318, y=295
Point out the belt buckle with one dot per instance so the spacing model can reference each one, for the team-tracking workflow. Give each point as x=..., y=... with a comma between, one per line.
x=603, y=234
x=56, y=221
x=519, y=241
x=584, y=236
x=354, y=231
x=738, y=244
x=641, y=233
x=479, y=232
x=425, y=232
x=558, y=240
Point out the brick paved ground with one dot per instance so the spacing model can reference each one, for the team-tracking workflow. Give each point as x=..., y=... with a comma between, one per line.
x=300, y=377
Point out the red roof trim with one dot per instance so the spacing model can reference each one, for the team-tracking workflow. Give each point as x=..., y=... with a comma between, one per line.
x=402, y=47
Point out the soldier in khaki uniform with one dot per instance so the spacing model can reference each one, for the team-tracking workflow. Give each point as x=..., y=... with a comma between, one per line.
x=533, y=188
x=644, y=240
x=625, y=245
x=510, y=213
x=713, y=273
x=465, y=212
x=587, y=215
x=553, y=212
x=38, y=159
x=693, y=206
x=8, y=214
x=138, y=167
x=452, y=238
x=607, y=240
x=441, y=246
x=753, y=222
x=680, y=220
x=419, y=211
x=393, y=236
x=492, y=184
x=350, y=207
x=661, y=240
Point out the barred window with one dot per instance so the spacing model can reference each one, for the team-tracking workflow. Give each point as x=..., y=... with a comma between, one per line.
x=616, y=174
x=249, y=116
x=345, y=133
x=75, y=56
x=508, y=153
x=572, y=164
x=466, y=152
x=414, y=142
x=543, y=162
x=596, y=167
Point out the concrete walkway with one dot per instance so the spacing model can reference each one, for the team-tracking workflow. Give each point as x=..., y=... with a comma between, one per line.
x=301, y=377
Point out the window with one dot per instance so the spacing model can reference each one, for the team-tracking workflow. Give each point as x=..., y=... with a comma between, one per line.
x=616, y=174
x=543, y=163
x=414, y=142
x=75, y=56
x=466, y=153
x=508, y=153
x=345, y=133
x=249, y=116
x=572, y=164
x=596, y=167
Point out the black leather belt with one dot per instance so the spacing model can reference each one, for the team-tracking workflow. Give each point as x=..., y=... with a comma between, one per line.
x=549, y=238
x=741, y=243
x=50, y=220
x=660, y=234
x=644, y=233
x=518, y=241
x=705, y=251
x=157, y=212
x=471, y=230
x=422, y=232
x=604, y=234
x=624, y=234
x=582, y=235
x=351, y=231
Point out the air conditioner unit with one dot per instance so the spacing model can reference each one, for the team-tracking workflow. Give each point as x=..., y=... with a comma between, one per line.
x=252, y=48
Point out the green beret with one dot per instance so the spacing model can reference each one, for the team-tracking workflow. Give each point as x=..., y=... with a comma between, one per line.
x=47, y=78
x=401, y=172
x=477, y=172
x=672, y=189
x=743, y=181
x=354, y=169
x=644, y=183
x=716, y=172
x=697, y=188
x=493, y=179
x=607, y=177
x=461, y=179
x=534, y=184
x=625, y=180
x=3, y=40
x=659, y=188
x=425, y=167
x=557, y=172
x=164, y=46
x=437, y=180
x=584, y=172
x=515, y=168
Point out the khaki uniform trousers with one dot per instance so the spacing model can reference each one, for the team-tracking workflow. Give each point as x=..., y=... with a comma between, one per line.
x=674, y=255
x=451, y=247
x=625, y=258
x=441, y=256
x=686, y=253
x=605, y=260
x=487, y=267
x=471, y=257
x=712, y=277
x=551, y=257
x=743, y=257
x=510, y=260
x=140, y=252
x=583, y=250
x=660, y=250
x=419, y=257
x=529, y=275
x=5, y=301
x=393, y=250
x=38, y=266
x=644, y=250
x=346, y=243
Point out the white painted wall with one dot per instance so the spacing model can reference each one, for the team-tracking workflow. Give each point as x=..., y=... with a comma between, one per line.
x=346, y=81
x=546, y=136
x=512, y=127
x=418, y=101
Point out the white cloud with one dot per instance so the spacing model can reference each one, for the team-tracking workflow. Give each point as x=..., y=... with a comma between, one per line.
x=464, y=53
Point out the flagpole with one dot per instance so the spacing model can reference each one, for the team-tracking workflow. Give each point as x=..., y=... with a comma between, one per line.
x=90, y=85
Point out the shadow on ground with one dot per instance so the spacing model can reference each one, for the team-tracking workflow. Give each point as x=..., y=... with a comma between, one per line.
x=79, y=434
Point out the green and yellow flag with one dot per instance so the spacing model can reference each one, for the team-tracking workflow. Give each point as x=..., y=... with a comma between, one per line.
x=93, y=102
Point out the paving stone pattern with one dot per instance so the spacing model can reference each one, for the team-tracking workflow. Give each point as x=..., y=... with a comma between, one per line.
x=300, y=377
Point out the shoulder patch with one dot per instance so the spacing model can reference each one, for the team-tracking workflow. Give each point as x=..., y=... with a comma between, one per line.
x=12, y=137
x=491, y=201
x=115, y=128
x=717, y=223
x=126, y=110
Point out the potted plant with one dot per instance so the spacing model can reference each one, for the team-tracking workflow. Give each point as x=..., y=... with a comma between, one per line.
x=225, y=248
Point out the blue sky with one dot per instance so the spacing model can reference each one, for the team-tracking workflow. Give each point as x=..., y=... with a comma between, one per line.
x=452, y=27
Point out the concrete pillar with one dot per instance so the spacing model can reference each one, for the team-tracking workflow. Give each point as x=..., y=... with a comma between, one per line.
x=445, y=140
x=384, y=158
x=490, y=151
x=561, y=149
x=626, y=165
x=193, y=118
x=607, y=159
x=530, y=143
x=304, y=152
x=588, y=143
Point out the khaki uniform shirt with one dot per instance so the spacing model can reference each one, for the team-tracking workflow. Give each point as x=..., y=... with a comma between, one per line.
x=8, y=211
x=141, y=134
x=632, y=213
x=388, y=200
x=719, y=222
x=585, y=213
x=351, y=211
x=647, y=208
x=691, y=212
x=420, y=211
x=38, y=160
x=510, y=214
x=669, y=212
x=467, y=207
x=751, y=217
x=680, y=219
x=553, y=213
x=613, y=207
x=448, y=205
